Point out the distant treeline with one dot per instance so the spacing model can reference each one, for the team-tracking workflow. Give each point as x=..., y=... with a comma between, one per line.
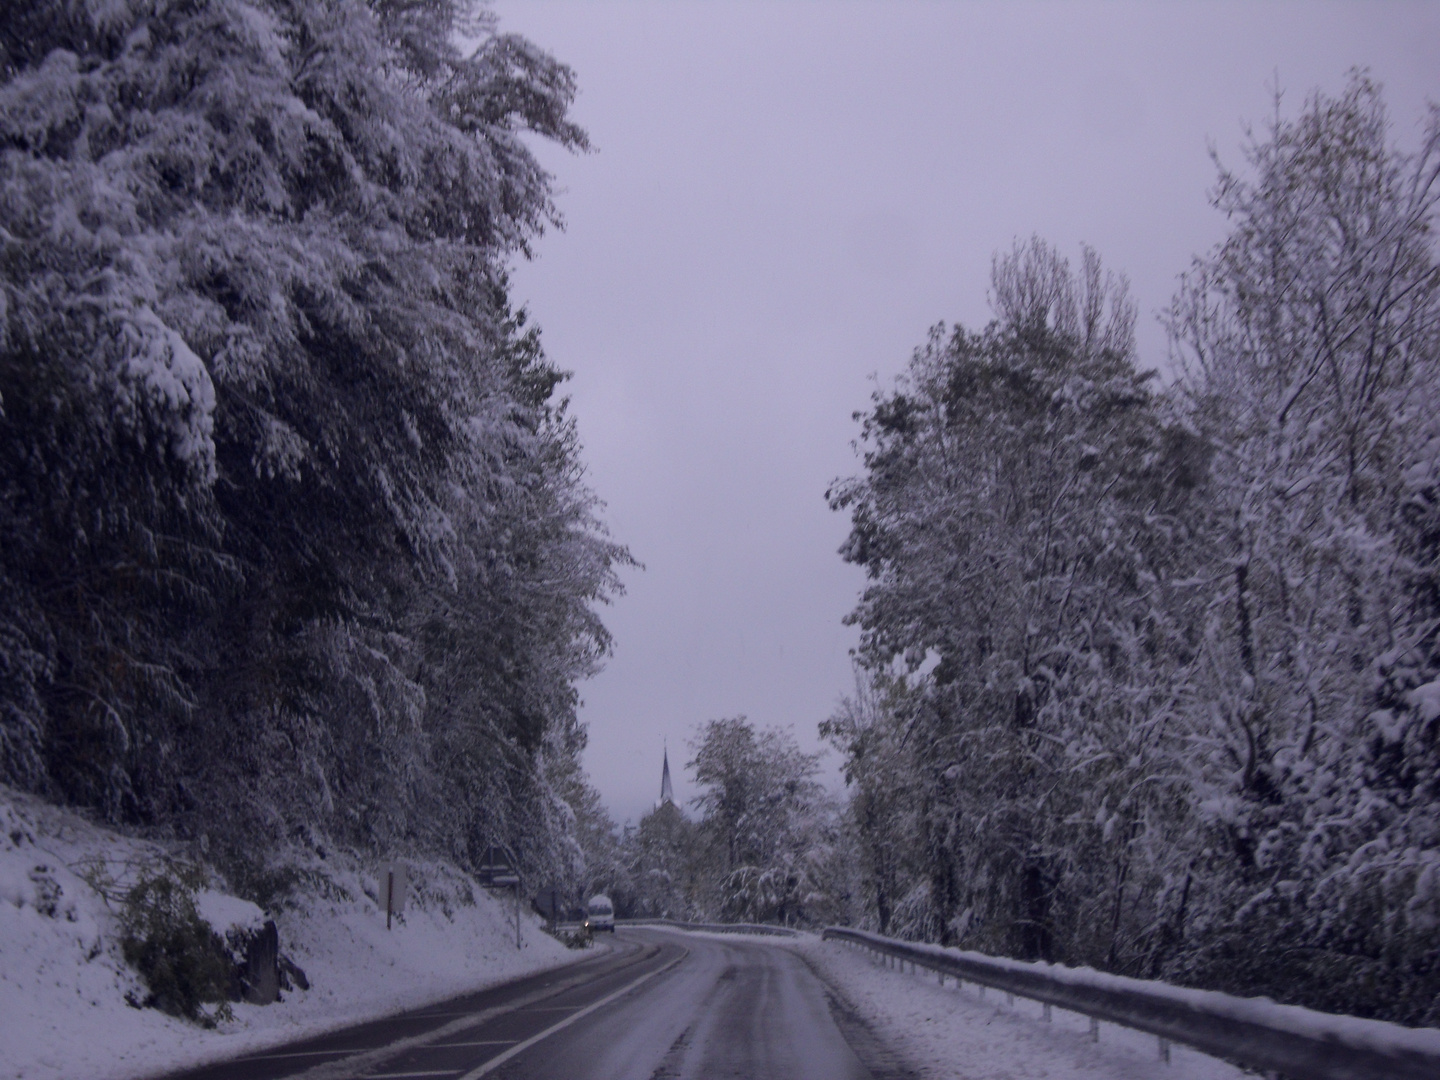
x=767, y=843
x=294, y=545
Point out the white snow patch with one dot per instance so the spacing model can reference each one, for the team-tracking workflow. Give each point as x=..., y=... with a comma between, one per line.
x=225, y=912
x=164, y=363
x=1426, y=699
x=950, y=1032
x=1310, y=1023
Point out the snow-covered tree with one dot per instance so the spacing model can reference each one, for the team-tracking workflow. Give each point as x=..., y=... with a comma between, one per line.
x=884, y=807
x=296, y=541
x=1311, y=353
x=767, y=826
x=1157, y=668
x=1020, y=518
x=664, y=862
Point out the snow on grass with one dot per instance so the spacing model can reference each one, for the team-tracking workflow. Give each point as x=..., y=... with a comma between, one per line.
x=950, y=1032
x=63, y=981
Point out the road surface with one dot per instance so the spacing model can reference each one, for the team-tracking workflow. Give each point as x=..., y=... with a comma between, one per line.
x=661, y=1005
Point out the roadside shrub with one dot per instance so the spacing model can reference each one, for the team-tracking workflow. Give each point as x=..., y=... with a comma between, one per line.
x=184, y=963
x=578, y=937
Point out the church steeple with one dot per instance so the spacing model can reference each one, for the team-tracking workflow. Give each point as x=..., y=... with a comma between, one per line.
x=667, y=793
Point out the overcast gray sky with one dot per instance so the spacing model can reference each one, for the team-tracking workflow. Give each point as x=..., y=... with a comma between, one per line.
x=783, y=199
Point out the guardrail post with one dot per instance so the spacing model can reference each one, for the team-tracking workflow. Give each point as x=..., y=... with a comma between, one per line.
x=1045, y=1011
x=1094, y=1029
x=1164, y=1050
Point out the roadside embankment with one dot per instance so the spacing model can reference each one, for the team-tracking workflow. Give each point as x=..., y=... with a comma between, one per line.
x=68, y=993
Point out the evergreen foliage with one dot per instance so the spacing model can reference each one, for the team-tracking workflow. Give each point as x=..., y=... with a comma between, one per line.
x=297, y=545
x=184, y=962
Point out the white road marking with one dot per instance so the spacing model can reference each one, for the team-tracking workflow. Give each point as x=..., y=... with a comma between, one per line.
x=500, y=1059
x=481, y=1042
x=358, y=1062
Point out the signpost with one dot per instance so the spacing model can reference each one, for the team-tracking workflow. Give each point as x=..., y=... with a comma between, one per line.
x=549, y=904
x=497, y=871
x=393, y=885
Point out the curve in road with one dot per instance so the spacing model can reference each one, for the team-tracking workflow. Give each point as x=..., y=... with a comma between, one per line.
x=662, y=1005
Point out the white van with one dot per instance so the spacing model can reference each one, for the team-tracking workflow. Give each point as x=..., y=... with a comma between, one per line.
x=600, y=914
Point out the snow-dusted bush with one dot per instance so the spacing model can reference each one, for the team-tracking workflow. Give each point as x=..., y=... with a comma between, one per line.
x=181, y=957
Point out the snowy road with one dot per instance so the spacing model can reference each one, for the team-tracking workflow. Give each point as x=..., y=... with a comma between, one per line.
x=662, y=1004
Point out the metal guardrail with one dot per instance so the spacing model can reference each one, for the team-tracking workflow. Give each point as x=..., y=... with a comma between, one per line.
x=1255, y=1032
x=714, y=928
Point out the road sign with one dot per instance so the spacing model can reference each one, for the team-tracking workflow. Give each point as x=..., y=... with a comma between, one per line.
x=548, y=903
x=497, y=870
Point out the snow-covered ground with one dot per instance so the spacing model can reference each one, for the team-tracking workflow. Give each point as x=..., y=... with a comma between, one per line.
x=63, y=981
x=951, y=1032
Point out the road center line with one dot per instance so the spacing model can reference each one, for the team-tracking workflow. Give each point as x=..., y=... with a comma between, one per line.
x=500, y=1059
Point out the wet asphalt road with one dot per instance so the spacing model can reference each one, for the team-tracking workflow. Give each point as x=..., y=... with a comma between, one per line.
x=662, y=1004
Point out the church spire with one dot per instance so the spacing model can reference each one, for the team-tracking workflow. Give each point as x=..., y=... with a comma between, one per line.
x=667, y=793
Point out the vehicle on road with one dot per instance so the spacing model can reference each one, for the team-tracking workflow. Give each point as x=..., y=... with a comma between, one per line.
x=600, y=914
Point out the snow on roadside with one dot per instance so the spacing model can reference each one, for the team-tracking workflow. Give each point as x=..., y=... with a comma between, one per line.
x=955, y=1033
x=63, y=980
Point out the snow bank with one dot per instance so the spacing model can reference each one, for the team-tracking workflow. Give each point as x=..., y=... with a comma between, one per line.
x=952, y=1032
x=63, y=982
x=1377, y=1035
